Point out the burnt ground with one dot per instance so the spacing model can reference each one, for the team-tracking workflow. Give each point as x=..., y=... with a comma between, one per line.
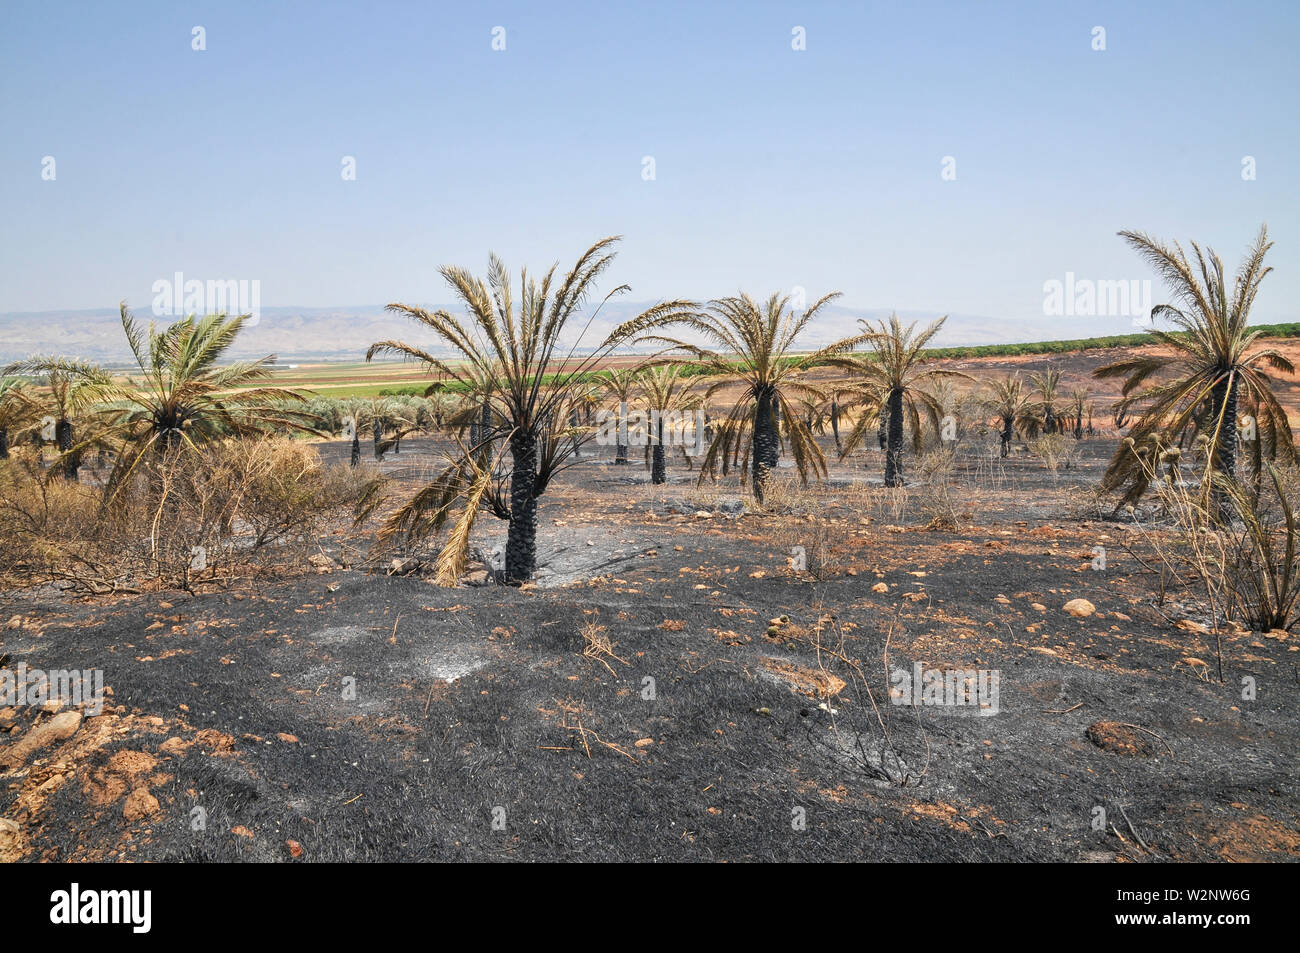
x=478, y=730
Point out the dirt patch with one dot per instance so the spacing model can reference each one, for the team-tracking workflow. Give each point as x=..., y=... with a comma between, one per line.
x=804, y=680
x=1119, y=738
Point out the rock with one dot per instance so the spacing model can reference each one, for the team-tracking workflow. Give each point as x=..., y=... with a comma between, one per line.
x=1000, y=599
x=401, y=567
x=1097, y=857
x=1038, y=607
x=702, y=515
x=174, y=746
x=880, y=587
x=1079, y=608
x=59, y=728
x=139, y=803
x=11, y=841
x=479, y=577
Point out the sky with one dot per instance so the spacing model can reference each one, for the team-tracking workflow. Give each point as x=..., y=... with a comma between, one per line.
x=773, y=167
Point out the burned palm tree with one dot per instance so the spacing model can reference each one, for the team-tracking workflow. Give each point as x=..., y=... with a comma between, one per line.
x=17, y=408
x=894, y=378
x=753, y=344
x=1077, y=411
x=71, y=389
x=1216, y=364
x=619, y=384
x=517, y=341
x=185, y=397
x=1007, y=399
x=669, y=395
x=1046, y=411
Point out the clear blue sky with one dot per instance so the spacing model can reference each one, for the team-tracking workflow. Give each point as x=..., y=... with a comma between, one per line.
x=774, y=168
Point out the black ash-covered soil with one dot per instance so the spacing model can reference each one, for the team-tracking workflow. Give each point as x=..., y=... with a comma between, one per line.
x=744, y=713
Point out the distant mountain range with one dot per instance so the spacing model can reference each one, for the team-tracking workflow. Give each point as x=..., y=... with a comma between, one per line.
x=344, y=333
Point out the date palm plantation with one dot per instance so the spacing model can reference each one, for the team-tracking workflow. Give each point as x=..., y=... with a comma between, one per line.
x=754, y=344
x=894, y=378
x=517, y=340
x=1216, y=366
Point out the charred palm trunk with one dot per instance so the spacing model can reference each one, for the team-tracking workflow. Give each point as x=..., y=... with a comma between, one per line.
x=356, y=447
x=894, y=445
x=767, y=446
x=378, y=432
x=521, y=541
x=882, y=432
x=835, y=424
x=658, y=465
x=71, y=460
x=573, y=425
x=1225, y=447
x=1225, y=410
x=1006, y=436
x=620, y=450
x=4, y=443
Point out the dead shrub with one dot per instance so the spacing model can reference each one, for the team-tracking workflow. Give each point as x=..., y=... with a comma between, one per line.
x=180, y=519
x=937, y=505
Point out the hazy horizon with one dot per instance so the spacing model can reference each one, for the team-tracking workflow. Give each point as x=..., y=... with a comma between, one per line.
x=935, y=158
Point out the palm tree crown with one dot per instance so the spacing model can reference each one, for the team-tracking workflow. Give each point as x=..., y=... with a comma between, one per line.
x=1215, y=365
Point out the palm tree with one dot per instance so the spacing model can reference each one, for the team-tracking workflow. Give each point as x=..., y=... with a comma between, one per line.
x=72, y=388
x=755, y=344
x=515, y=342
x=17, y=406
x=354, y=414
x=185, y=398
x=668, y=394
x=895, y=379
x=620, y=384
x=1008, y=400
x=1044, y=413
x=1077, y=411
x=1215, y=365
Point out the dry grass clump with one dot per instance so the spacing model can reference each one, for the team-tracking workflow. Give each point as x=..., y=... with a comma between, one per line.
x=814, y=545
x=598, y=646
x=937, y=504
x=786, y=495
x=1055, y=450
x=1234, y=543
x=206, y=516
